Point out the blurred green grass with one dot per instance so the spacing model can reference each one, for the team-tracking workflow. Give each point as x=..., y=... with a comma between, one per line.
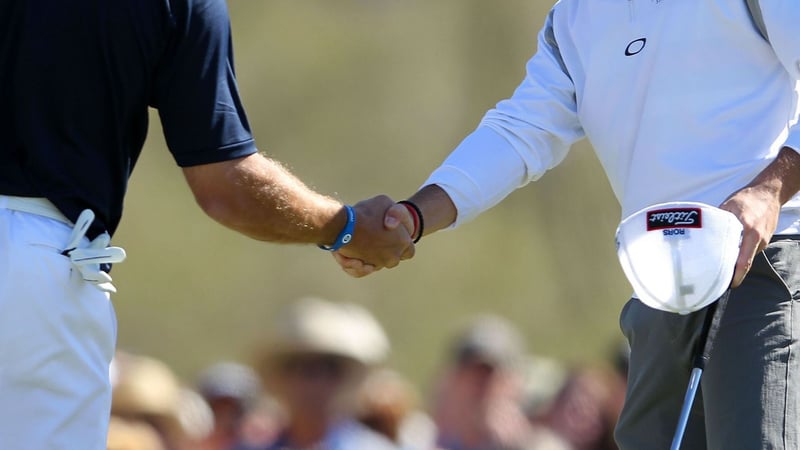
x=360, y=97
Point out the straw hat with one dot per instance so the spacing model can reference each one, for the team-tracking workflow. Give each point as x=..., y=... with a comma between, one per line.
x=147, y=388
x=132, y=435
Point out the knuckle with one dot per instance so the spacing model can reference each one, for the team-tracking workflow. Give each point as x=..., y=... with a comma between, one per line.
x=393, y=262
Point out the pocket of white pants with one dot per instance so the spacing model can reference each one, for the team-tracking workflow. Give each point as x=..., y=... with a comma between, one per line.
x=42, y=232
x=40, y=241
x=65, y=319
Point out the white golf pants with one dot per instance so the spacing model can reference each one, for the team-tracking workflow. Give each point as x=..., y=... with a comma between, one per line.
x=57, y=338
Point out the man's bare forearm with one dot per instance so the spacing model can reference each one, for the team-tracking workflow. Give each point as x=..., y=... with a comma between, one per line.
x=781, y=176
x=258, y=197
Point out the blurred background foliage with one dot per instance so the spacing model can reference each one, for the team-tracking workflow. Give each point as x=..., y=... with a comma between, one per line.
x=360, y=97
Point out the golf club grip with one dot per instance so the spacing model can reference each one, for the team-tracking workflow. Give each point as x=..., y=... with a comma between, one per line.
x=710, y=328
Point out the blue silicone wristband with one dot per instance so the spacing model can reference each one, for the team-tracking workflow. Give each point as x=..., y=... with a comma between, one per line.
x=346, y=235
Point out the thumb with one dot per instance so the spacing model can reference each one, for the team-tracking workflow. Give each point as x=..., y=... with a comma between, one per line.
x=398, y=215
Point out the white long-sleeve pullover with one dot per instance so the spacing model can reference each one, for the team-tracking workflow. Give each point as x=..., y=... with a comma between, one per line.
x=682, y=100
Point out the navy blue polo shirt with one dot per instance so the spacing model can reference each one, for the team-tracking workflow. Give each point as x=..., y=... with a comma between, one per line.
x=76, y=80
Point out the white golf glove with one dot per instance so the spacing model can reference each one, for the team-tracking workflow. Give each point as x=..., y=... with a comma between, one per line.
x=87, y=260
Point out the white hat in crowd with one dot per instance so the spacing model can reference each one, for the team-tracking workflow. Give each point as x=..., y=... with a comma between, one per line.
x=313, y=325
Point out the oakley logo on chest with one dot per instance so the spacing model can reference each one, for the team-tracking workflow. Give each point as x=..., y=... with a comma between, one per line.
x=635, y=46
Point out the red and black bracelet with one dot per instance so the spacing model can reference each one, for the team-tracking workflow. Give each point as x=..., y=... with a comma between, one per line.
x=416, y=213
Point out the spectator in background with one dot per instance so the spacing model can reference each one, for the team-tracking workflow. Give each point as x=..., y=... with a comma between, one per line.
x=146, y=394
x=387, y=404
x=544, y=380
x=133, y=435
x=262, y=425
x=478, y=402
x=587, y=409
x=315, y=363
x=232, y=391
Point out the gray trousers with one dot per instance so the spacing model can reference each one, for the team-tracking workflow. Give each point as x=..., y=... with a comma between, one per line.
x=749, y=396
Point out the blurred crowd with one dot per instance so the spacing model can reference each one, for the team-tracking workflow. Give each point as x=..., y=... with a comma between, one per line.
x=320, y=383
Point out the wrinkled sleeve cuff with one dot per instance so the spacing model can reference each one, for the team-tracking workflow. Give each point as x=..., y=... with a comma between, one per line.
x=480, y=172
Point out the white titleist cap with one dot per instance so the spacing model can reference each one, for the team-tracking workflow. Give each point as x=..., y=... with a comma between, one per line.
x=679, y=256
